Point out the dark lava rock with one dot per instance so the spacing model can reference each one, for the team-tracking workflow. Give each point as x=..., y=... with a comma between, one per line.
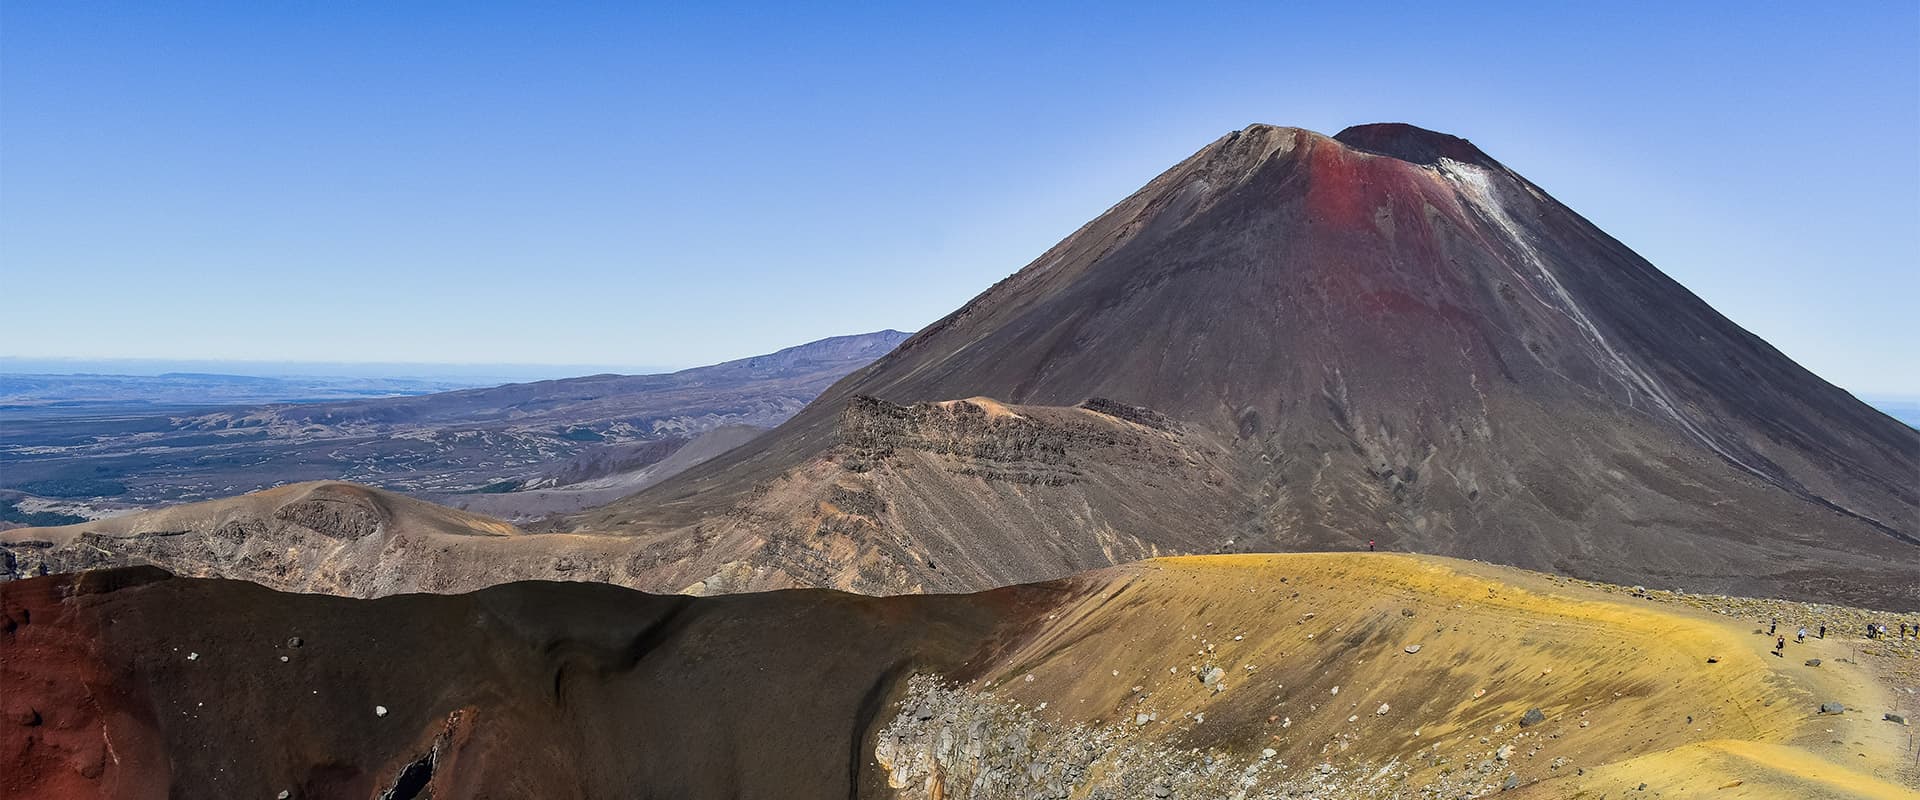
x=1533, y=717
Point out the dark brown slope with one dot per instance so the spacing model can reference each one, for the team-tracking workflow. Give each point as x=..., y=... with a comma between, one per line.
x=134, y=684
x=1391, y=336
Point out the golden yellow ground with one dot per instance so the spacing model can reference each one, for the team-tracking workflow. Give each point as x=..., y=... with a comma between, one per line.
x=1312, y=650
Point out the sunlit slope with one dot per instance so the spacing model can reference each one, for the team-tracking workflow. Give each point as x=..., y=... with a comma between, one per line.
x=1314, y=664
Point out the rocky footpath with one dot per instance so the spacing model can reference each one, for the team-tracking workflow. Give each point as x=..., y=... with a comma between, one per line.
x=1899, y=655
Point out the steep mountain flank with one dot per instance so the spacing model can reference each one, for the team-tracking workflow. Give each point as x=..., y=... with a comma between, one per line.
x=1396, y=338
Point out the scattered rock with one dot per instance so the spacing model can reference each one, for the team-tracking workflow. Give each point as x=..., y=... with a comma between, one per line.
x=1813, y=662
x=1534, y=716
x=1713, y=659
x=283, y=795
x=1413, y=648
x=1897, y=719
x=1513, y=782
x=1832, y=708
x=1505, y=752
x=295, y=642
x=379, y=711
x=1381, y=711
x=1212, y=675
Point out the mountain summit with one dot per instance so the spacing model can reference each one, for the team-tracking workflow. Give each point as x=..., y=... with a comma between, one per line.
x=1290, y=341
x=1384, y=335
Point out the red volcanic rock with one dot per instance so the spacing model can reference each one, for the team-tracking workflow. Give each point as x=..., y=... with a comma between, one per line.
x=71, y=725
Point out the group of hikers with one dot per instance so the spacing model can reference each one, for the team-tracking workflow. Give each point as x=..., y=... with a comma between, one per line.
x=1879, y=631
x=1875, y=630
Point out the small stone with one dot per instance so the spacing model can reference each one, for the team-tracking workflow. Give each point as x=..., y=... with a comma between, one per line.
x=295, y=642
x=1336, y=690
x=1505, y=752
x=1813, y=662
x=1413, y=648
x=1269, y=753
x=193, y=656
x=1381, y=711
x=1513, y=782
x=1833, y=708
x=379, y=711
x=283, y=795
x=1713, y=659
x=1897, y=719
x=1212, y=675
x=1533, y=717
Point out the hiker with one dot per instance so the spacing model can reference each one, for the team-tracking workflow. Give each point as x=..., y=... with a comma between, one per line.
x=1780, y=646
x=1823, y=631
x=1801, y=637
x=1369, y=545
x=1772, y=627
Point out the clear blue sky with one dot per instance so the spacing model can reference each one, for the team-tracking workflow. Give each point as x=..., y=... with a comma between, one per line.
x=617, y=184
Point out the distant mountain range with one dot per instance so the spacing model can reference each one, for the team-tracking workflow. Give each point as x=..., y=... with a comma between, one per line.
x=146, y=440
x=25, y=396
